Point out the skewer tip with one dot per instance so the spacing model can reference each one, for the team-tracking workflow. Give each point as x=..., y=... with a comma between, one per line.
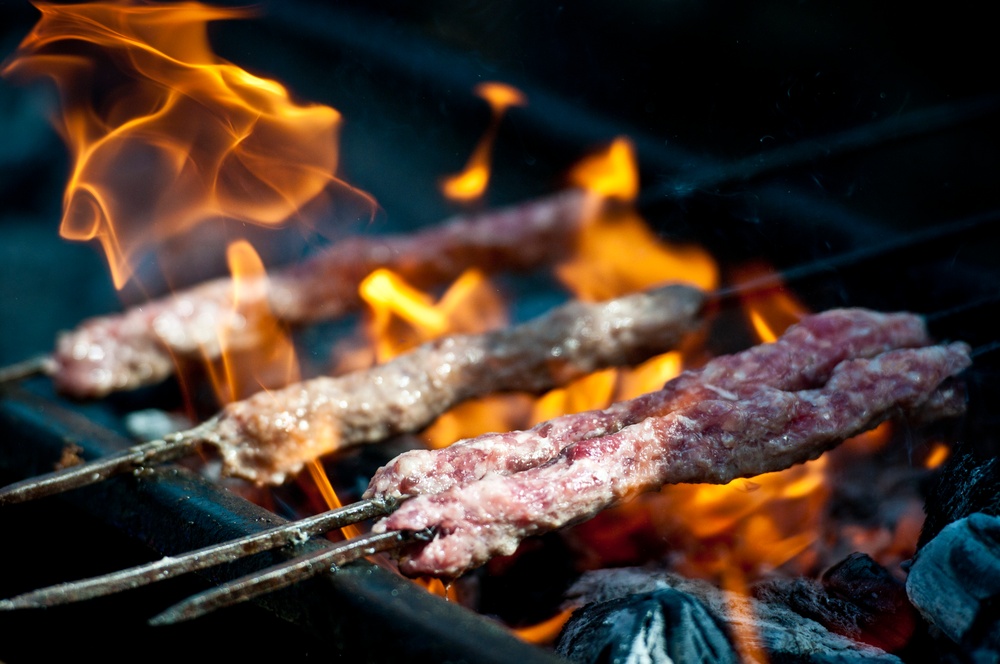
x=92, y=472
x=33, y=366
x=175, y=614
x=8, y=605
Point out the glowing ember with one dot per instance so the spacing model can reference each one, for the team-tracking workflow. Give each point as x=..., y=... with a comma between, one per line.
x=471, y=182
x=165, y=134
x=938, y=455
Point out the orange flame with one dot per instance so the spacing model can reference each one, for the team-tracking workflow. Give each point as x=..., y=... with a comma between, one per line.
x=165, y=134
x=938, y=455
x=270, y=361
x=772, y=313
x=470, y=305
x=471, y=182
x=544, y=632
x=616, y=251
x=319, y=477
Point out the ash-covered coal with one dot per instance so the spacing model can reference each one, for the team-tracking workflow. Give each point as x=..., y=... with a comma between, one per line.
x=766, y=630
x=955, y=584
x=663, y=626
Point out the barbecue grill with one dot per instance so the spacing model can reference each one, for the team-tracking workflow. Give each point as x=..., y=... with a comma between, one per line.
x=786, y=132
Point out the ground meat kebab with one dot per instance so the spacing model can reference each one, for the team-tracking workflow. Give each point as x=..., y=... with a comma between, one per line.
x=763, y=416
x=271, y=435
x=136, y=348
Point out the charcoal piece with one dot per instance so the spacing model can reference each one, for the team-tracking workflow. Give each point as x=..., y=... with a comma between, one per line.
x=968, y=483
x=662, y=626
x=885, y=617
x=955, y=584
x=768, y=628
x=856, y=598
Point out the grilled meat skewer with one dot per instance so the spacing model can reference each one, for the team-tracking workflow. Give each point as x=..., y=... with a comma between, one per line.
x=803, y=357
x=821, y=363
x=748, y=432
x=273, y=434
x=752, y=429
x=137, y=347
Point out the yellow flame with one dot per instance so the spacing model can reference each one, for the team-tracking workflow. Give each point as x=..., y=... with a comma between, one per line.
x=165, y=134
x=472, y=181
x=470, y=305
x=616, y=251
x=268, y=362
x=611, y=173
x=319, y=477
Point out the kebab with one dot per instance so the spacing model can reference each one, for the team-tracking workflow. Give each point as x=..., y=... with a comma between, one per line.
x=138, y=347
x=766, y=408
x=271, y=435
x=135, y=348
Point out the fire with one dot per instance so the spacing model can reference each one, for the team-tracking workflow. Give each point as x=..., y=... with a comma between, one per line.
x=937, y=456
x=616, y=251
x=403, y=316
x=322, y=482
x=165, y=134
x=772, y=313
x=546, y=631
x=611, y=173
x=472, y=181
x=179, y=137
x=269, y=362
x=768, y=521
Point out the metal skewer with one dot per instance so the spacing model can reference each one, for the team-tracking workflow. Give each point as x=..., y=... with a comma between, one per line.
x=288, y=534
x=154, y=452
x=286, y=574
x=41, y=365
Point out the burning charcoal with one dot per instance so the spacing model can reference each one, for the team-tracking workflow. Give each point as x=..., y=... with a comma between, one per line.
x=955, y=584
x=761, y=629
x=968, y=483
x=857, y=598
x=886, y=617
x=663, y=626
